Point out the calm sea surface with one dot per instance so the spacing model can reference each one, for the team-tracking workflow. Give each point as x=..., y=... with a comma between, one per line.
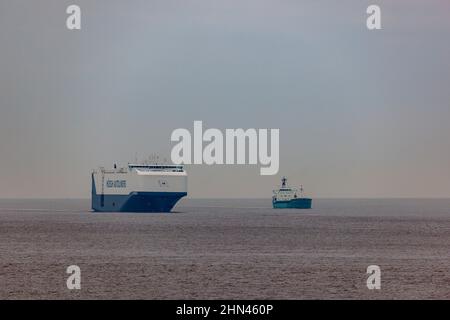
x=226, y=249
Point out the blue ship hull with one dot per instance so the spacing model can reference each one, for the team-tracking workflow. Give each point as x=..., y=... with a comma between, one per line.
x=299, y=203
x=135, y=201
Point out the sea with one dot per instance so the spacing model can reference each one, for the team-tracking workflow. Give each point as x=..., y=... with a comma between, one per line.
x=227, y=249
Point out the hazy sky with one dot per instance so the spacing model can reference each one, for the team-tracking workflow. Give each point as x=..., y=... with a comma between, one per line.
x=361, y=113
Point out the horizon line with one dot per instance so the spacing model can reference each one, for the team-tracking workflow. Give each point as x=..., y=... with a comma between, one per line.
x=250, y=198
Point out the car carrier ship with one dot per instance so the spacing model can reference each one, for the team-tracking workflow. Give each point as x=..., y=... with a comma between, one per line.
x=138, y=188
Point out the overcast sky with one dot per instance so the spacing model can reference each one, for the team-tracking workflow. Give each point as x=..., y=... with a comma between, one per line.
x=361, y=113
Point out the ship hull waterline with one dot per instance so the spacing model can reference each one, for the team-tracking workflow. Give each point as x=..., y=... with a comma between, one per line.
x=300, y=203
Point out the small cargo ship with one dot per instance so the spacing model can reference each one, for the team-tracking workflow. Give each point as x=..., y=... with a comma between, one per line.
x=138, y=188
x=286, y=198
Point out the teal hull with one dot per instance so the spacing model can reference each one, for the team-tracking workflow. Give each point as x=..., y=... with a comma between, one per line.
x=300, y=203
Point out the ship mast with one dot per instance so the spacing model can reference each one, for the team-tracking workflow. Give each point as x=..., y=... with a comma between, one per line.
x=283, y=182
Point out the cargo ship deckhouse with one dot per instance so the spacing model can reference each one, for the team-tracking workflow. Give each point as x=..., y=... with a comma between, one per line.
x=138, y=188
